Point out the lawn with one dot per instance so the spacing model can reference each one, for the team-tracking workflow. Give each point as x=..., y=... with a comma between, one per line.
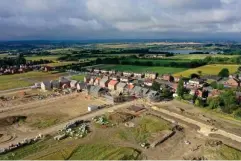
x=213, y=69
x=26, y=79
x=162, y=62
x=45, y=57
x=78, y=77
x=133, y=68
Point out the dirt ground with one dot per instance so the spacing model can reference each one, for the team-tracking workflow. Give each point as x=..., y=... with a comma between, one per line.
x=45, y=113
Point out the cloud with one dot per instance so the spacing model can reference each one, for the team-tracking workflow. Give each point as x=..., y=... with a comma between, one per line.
x=81, y=19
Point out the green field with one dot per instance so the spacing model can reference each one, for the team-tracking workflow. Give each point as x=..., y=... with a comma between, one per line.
x=133, y=68
x=199, y=56
x=161, y=62
x=78, y=77
x=46, y=57
x=25, y=79
x=213, y=69
x=57, y=64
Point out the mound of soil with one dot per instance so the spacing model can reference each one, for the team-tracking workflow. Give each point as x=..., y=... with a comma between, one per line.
x=10, y=120
x=121, y=117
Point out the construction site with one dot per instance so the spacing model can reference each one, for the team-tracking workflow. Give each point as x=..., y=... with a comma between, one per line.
x=60, y=125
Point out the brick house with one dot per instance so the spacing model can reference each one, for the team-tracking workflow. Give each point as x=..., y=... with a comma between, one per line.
x=112, y=85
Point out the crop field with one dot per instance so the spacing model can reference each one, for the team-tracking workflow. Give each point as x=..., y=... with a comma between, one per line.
x=199, y=56
x=213, y=69
x=25, y=79
x=133, y=68
x=57, y=64
x=62, y=50
x=45, y=57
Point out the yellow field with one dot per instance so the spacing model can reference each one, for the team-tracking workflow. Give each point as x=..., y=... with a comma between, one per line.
x=213, y=69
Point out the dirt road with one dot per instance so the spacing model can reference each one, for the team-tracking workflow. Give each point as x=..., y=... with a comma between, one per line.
x=55, y=128
x=204, y=128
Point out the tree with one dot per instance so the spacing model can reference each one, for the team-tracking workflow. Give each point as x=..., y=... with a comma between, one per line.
x=180, y=88
x=199, y=72
x=20, y=59
x=194, y=75
x=213, y=102
x=228, y=101
x=214, y=84
x=199, y=102
x=224, y=72
x=156, y=86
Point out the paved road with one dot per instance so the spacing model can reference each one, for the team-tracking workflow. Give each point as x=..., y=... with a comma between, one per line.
x=55, y=128
x=204, y=128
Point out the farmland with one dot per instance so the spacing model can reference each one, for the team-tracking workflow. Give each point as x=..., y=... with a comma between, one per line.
x=213, y=69
x=46, y=57
x=56, y=64
x=199, y=56
x=26, y=79
x=133, y=68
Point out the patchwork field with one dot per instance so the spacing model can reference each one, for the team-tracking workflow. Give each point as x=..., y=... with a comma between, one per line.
x=46, y=57
x=199, y=56
x=61, y=63
x=133, y=68
x=213, y=69
x=26, y=79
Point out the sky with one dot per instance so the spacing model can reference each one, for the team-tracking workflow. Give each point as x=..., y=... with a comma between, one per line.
x=119, y=19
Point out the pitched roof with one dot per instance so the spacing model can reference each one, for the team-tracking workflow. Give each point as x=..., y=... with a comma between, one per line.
x=121, y=85
x=104, y=79
x=113, y=82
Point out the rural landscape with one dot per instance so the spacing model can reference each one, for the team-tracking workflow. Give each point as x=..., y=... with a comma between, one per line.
x=120, y=80
x=120, y=101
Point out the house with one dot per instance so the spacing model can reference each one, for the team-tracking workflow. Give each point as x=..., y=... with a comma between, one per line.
x=92, y=80
x=127, y=74
x=214, y=93
x=90, y=69
x=232, y=82
x=115, y=77
x=129, y=87
x=46, y=85
x=153, y=96
x=121, y=86
x=145, y=92
x=112, y=85
x=96, y=91
x=137, y=91
x=97, y=71
x=64, y=82
x=138, y=75
x=97, y=81
x=81, y=86
x=177, y=78
x=148, y=82
x=125, y=79
x=173, y=86
x=137, y=82
x=73, y=84
x=47, y=68
x=104, y=82
x=112, y=72
x=119, y=74
x=151, y=75
x=87, y=79
x=168, y=77
x=55, y=84
x=104, y=71
x=196, y=82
